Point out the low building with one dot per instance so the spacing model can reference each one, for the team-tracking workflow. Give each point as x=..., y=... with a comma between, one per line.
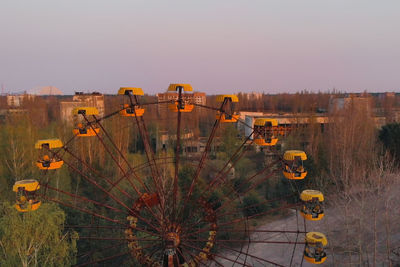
x=80, y=99
x=362, y=102
x=16, y=100
x=198, y=98
x=252, y=95
x=45, y=91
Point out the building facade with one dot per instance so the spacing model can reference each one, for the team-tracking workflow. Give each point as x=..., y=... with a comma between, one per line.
x=15, y=101
x=80, y=99
x=196, y=97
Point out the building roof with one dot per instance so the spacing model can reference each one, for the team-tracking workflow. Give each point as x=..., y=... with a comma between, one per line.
x=45, y=90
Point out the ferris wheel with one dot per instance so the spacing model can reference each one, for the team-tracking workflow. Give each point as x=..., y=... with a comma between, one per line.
x=173, y=207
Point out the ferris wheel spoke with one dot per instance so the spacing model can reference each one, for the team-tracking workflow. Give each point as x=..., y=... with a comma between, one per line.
x=111, y=195
x=97, y=120
x=245, y=241
x=148, y=232
x=145, y=137
x=216, y=255
x=211, y=187
x=203, y=156
x=127, y=177
x=149, y=152
x=89, y=253
x=192, y=256
x=294, y=250
x=237, y=194
x=118, y=239
x=104, y=259
x=141, y=125
x=85, y=211
x=252, y=231
x=112, y=227
x=151, y=248
x=66, y=144
x=179, y=251
x=222, y=174
x=227, y=114
x=103, y=144
x=140, y=167
x=138, y=193
x=248, y=180
x=118, y=111
x=100, y=204
x=249, y=241
x=155, y=248
x=254, y=186
x=105, y=217
x=144, y=231
x=218, y=263
x=261, y=214
x=93, y=182
x=83, y=199
x=256, y=205
x=131, y=169
x=95, y=173
x=232, y=222
x=156, y=244
x=251, y=256
x=237, y=155
x=203, y=220
x=230, y=114
x=177, y=152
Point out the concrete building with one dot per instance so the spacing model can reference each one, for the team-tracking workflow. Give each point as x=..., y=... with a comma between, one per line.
x=45, y=90
x=80, y=99
x=286, y=121
x=196, y=97
x=16, y=100
x=199, y=98
x=253, y=95
x=351, y=100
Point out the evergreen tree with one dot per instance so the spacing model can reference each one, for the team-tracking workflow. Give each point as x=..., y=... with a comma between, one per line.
x=390, y=137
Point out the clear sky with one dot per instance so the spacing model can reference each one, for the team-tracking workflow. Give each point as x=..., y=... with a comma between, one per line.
x=217, y=46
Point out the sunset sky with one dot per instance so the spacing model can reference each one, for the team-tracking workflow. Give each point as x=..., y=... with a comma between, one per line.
x=217, y=46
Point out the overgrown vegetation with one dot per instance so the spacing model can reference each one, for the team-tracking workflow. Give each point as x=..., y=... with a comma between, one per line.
x=35, y=238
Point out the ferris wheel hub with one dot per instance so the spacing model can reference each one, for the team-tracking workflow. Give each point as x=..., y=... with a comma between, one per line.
x=172, y=240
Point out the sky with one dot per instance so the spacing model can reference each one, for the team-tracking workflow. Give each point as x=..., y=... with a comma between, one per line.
x=219, y=46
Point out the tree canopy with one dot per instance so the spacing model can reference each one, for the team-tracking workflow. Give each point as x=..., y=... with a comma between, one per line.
x=35, y=238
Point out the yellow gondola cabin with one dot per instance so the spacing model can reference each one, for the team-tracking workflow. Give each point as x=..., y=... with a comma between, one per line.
x=312, y=208
x=314, y=249
x=264, y=132
x=26, y=199
x=129, y=109
x=294, y=168
x=185, y=105
x=79, y=114
x=46, y=162
x=229, y=114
